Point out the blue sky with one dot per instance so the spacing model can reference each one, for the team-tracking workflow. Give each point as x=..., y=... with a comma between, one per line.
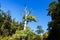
x=38, y=9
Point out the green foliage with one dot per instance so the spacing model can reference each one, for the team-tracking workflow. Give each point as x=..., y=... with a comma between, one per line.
x=37, y=37
x=52, y=8
x=30, y=18
x=39, y=30
x=12, y=30
x=45, y=35
x=54, y=25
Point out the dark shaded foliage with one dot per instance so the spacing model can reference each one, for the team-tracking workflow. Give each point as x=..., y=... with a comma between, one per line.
x=54, y=25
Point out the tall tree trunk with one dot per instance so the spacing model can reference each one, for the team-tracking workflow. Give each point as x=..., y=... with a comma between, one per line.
x=25, y=24
x=41, y=36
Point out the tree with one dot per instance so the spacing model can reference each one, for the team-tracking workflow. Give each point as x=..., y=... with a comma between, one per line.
x=54, y=25
x=28, y=18
x=39, y=30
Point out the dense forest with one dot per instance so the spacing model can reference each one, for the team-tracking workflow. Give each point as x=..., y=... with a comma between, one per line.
x=14, y=30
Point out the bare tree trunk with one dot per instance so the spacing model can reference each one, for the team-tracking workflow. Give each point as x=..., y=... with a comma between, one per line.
x=41, y=36
x=25, y=24
x=25, y=21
